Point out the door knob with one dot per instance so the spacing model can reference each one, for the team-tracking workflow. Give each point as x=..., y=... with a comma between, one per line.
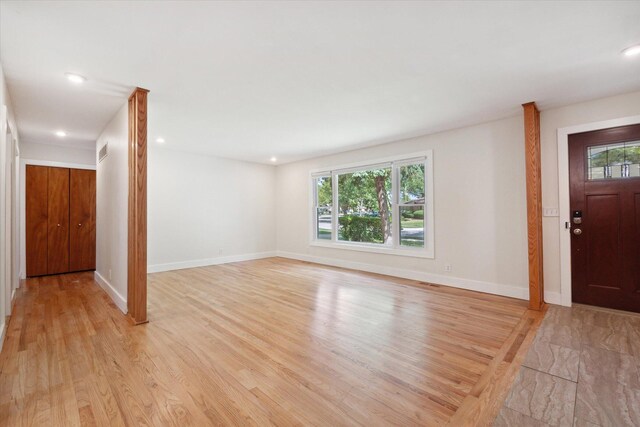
x=577, y=231
x=58, y=225
x=79, y=225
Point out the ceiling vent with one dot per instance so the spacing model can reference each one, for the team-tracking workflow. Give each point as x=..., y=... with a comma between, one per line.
x=103, y=152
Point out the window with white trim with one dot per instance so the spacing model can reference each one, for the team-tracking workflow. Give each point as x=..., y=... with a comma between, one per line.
x=323, y=207
x=382, y=207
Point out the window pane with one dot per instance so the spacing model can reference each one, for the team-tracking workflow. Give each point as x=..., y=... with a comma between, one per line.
x=323, y=221
x=632, y=159
x=364, y=202
x=412, y=184
x=412, y=225
x=614, y=161
x=324, y=202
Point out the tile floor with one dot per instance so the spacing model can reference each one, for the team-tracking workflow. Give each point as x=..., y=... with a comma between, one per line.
x=583, y=369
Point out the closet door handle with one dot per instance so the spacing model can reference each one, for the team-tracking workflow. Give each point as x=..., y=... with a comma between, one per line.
x=58, y=225
x=79, y=225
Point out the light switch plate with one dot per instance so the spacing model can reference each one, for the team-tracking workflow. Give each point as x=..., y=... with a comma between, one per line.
x=550, y=212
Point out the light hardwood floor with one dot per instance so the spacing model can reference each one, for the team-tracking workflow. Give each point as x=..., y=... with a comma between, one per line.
x=273, y=341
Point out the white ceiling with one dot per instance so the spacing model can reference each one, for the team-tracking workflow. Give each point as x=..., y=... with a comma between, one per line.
x=300, y=79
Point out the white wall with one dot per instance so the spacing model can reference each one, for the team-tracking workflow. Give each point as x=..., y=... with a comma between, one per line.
x=480, y=210
x=207, y=210
x=550, y=121
x=57, y=153
x=479, y=200
x=112, y=189
x=8, y=225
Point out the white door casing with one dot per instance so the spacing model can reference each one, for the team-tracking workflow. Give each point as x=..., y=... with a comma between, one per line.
x=564, y=207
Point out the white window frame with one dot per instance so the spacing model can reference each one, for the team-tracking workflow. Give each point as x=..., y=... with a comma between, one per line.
x=315, y=206
x=393, y=247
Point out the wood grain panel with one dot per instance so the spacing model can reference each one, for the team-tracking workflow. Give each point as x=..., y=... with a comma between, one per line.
x=268, y=342
x=602, y=241
x=36, y=226
x=534, y=204
x=137, y=227
x=82, y=212
x=58, y=220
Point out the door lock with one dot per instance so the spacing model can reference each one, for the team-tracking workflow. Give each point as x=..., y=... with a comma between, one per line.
x=577, y=217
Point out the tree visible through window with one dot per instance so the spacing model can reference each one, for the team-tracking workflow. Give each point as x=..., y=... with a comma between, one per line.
x=364, y=201
x=412, y=205
x=385, y=205
x=323, y=205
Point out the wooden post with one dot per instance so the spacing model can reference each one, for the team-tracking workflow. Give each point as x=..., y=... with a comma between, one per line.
x=534, y=204
x=137, y=229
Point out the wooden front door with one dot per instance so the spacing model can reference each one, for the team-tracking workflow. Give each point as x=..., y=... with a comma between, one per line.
x=604, y=168
x=82, y=211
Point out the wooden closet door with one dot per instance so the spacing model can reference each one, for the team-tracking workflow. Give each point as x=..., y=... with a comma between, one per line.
x=58, y=195
x=36, y=219
x=82, y=208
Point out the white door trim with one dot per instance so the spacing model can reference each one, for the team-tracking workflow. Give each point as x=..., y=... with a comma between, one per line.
x=563, y=193
x=57, y=164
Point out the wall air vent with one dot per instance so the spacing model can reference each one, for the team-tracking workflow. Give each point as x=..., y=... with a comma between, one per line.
x=103, y=152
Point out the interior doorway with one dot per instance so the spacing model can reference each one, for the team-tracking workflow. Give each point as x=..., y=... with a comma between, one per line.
x=60, y=211
x=604, y=181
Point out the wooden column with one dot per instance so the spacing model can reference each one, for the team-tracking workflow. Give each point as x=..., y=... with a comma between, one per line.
x=534, y=204
x=137, y=230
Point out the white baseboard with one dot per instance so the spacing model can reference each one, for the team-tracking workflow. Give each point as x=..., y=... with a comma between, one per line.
x=119, y=300
x=553, y=298
x=157, y=268
x=439, y=279
x=2, y=333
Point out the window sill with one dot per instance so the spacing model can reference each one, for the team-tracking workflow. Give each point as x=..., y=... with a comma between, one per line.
x=414, y=253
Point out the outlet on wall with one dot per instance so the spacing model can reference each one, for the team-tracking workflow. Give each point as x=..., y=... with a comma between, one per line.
x=448, y=268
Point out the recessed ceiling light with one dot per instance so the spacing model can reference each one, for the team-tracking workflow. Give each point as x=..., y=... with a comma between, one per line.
x=273, y=159
x=632, y=50
x=160, y=140
x=61, y=133
x=75, y=78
